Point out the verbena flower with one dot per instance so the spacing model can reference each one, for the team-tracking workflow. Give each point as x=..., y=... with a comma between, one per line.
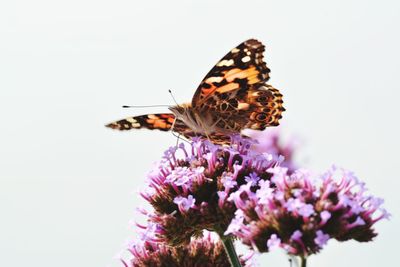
x=271, y=141
x=190, y=187
x=206, y=251
x=300, y=214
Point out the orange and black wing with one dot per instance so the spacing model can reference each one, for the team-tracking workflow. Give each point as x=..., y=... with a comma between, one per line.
x=265, y=107
x=235, y=73
x=161, y=122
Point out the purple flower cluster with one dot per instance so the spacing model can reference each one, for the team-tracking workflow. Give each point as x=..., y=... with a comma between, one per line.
x=250, y=192
x=190, y=187
x=206, y=251
x=300, y=213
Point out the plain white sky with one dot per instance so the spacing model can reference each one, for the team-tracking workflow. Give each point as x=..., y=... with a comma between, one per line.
x=68, y=185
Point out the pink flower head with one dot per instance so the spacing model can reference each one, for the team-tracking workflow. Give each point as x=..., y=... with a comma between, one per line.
x=301, y=213
x=195, y=187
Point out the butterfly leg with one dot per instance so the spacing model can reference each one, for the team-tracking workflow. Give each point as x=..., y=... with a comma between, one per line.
x=173, y=126
x=178, y=137
x=177, y=140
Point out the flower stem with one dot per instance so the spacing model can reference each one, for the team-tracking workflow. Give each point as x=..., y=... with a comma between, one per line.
x=303, y=261
x=230, y=251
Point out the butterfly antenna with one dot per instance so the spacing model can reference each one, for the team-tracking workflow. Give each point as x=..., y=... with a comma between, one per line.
x=149, y=106
x=170, y=92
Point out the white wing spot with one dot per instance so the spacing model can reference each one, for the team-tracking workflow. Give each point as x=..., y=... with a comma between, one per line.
x=152, y=117
x=225, y=62
x=214, y=79
x=131, y=120
x=246, y=59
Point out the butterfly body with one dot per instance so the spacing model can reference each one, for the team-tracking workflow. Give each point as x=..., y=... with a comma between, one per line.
x=233, y=96
x=199, y=124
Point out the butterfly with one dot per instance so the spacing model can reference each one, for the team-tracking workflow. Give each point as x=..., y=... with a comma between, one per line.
x=233, y=96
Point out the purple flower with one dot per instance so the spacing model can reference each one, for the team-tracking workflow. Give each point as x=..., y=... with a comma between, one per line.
x=228, y=181
x=271, y=141
x=296, y=235
x=325, y=215
x=206, y=251
x=321, y=238
x=185, y=204
x=252, y=178
x=293, y=204
x=273, y=242
x=175, y=174
x=304, y=211
x=182, y=180
x=195, y=186
x=264, y=193
x=235, y=225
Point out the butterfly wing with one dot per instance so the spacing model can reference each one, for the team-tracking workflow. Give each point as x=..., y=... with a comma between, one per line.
x=162, y=122
x=242, y=67
x=235, y=91
x=259, y=107
x=265, y=107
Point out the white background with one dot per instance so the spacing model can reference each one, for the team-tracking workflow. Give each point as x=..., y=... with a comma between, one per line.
x=68, y=185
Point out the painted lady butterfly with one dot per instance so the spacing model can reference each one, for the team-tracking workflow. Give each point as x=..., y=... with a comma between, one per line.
x=233, y=96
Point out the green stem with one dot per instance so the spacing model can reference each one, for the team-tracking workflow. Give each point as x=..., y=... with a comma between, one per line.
x=230, y=251
x=303, y=261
